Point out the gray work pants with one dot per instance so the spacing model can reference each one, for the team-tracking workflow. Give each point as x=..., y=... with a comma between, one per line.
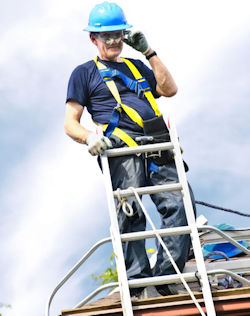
x=129, y=171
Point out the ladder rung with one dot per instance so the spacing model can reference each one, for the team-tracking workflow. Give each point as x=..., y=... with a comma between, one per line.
x=174, y=278
x=173, y=231
x=163, y=279
x=149, y=190
x=138, y=149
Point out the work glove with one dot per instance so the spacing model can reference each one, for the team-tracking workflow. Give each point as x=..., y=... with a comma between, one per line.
x=137, y=40
x=97, y=144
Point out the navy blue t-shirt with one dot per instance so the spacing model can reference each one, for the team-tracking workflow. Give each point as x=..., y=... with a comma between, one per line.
x=86, y=87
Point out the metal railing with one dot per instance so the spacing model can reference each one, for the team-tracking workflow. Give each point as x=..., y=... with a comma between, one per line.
x=117, y=239
x=189, y=276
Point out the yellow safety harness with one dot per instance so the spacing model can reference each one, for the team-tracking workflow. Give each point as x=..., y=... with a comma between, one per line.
x=134, y=116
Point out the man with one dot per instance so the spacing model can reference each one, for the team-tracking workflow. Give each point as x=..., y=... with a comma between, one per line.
x=89, y=86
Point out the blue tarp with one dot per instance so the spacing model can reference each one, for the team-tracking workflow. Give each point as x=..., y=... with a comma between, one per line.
x=227, y=248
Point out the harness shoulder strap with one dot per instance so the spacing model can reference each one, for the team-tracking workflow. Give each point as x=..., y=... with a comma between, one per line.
x=112, y=128
x=148, y=94
x=111, y=84
x=135, y=117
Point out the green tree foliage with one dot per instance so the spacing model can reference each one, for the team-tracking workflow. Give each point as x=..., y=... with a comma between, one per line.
x=110, y=274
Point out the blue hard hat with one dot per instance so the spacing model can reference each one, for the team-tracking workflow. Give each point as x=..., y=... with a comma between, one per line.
x=105, y=17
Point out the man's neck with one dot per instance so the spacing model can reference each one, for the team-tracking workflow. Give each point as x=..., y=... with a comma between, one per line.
x=116, y=59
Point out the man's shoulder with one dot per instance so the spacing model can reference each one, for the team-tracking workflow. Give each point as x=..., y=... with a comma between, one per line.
x=85, y=67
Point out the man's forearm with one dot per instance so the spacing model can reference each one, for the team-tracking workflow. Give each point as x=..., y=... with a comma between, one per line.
x=76, y=131
x=72, y=125
x=166, y=85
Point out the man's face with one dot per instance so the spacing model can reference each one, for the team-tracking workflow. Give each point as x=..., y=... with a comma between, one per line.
x=109, y=44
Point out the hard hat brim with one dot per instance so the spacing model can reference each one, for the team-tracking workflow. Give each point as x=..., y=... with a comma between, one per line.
x=107, y=28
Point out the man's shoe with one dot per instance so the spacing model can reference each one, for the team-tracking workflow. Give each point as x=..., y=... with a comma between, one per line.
x=170, y=289
x=148, y=292
x=136, y=292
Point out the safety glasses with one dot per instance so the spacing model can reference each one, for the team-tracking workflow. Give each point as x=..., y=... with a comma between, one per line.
x=110, y=38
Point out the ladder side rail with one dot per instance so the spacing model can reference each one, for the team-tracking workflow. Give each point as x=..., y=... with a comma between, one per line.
x=116, y=241
x=73, y=270
x=191, y=222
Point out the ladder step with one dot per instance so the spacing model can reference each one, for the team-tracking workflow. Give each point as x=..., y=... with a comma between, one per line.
x=173, y=231
x=149, y=190
x=164, y=279
x=138, y=149
x=188, y=276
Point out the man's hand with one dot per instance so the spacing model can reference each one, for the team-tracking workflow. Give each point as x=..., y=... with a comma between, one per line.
x=137, y=40
x=97, y=144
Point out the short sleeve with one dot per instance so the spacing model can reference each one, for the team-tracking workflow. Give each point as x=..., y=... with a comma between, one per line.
x=77, y=86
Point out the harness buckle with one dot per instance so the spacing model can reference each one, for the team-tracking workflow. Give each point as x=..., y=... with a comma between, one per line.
x=108, y=74
x=142, y=86
x=118, y=107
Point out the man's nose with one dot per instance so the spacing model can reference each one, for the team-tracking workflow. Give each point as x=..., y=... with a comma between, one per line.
x=112, y=41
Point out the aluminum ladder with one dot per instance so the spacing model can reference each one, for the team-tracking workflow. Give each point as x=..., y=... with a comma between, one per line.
x=124, y=284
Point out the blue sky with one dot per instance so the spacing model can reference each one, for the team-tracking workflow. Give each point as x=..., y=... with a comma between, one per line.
x=53, y=205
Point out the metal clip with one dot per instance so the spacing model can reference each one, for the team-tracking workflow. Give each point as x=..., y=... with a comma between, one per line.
x=141, y=86
x=118, y=107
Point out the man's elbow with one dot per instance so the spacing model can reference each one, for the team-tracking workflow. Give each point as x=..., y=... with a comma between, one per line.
x=67, y=128
x=172, y=91
x=167, y=92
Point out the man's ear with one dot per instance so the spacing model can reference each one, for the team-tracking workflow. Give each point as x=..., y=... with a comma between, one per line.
x=93, y=39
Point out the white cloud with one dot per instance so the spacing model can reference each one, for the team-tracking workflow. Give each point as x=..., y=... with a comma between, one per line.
x=53, y=198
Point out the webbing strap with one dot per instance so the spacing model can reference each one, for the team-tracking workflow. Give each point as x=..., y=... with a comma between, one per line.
x=135, y=117
x=114, y=121
x=148, y=94
x=111, y=84
x=133, y=114
x=122, y=135
x=112, y=128
x=139, y=86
